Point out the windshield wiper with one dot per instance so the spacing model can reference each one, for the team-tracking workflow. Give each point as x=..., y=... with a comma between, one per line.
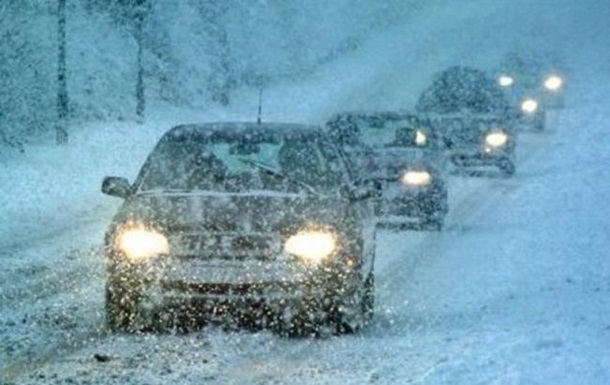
x=270, y=170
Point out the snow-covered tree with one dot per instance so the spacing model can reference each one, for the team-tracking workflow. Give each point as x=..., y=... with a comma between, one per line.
x=27, y=98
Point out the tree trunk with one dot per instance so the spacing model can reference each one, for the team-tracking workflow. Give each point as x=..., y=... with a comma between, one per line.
x=62, y=91
x=140, y=14
x=212, y=13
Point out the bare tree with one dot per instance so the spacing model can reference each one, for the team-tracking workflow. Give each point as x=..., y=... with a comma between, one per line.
x=212, y=13
x=62, y=90
x=139, y=18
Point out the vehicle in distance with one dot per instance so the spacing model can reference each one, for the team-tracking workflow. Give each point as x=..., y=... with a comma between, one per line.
x=474, y=118
x=534, y=73
x=402, y=154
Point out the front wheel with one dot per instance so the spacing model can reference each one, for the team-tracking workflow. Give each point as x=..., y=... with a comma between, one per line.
x=123, y=312
x=332, y=315
x=540, y=122
x=368, y=300
x=433, y=223
x=507, y=167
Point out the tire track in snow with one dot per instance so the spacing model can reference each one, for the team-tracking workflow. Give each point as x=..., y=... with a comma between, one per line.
x=470, y=198
x=42, y=284
x=46, y=311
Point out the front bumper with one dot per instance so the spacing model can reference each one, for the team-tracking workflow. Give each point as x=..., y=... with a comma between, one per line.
x=481, y=156
x=404, y=204
x=231, y=285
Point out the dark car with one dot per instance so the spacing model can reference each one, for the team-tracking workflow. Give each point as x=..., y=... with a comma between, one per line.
x=527, y=96
x=474, y=117
x=531, y=110
x=403, y=155
x=475, y=141
x=534, y=74
x=249, y=221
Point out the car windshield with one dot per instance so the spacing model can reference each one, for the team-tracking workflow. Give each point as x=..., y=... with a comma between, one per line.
x=239, y=165
x=380, y=132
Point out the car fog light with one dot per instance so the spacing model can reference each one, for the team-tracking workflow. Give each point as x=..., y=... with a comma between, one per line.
x=506, y=81
x=139, y=244
x=553, y=83
x=416, y=178
x=311, y=245
x=496, y=139
x=529, y=106
x=420, y=138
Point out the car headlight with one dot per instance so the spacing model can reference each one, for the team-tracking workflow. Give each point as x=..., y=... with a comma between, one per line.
x=529, y=105
x=506, y=81
x=416, y=178
x=553, y=83
x=311, y=245
x=139, y=244
x=420, y=138
x=496, y=139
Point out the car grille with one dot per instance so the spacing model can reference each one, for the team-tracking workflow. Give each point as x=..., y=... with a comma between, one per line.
x=226, y=246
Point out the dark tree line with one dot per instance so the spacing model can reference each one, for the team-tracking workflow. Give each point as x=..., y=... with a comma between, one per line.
x=62, y=85
x=189, y=52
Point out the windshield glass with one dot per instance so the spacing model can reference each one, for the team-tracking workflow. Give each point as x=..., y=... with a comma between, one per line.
x=380, y=132
x=239, y=165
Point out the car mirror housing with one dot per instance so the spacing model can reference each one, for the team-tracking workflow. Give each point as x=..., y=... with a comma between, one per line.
x=364, y=189
x=116, y=186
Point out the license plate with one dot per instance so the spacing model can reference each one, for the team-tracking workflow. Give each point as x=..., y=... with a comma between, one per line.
x=227, y=246
x=230, y=272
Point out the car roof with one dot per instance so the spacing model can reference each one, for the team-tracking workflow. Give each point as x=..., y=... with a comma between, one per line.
x=390, y=115
x=466, y=116
x=236, y=130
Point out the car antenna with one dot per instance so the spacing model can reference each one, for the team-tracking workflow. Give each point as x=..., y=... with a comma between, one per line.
x=260, y=105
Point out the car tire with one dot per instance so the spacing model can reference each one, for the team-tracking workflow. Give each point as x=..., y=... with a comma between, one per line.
x=540, y=122
x=122, y=309
x=368, y=300
x=347, y=314
x=507, y=167
x=333, y=315
x=306, y=320
x=433, y=223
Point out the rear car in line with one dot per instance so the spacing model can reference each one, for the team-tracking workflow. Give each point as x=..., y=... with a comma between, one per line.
x=402, y=154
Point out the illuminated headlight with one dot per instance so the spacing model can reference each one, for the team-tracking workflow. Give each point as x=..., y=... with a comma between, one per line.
x=553, y=83
x=506, y=81
x=139, y=244
x=529, y=106
x=496, y=139
x=416, y=178
x=420, y=138
x=312, y=245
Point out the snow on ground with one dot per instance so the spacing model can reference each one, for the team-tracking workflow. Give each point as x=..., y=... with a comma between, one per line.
x=516, y=291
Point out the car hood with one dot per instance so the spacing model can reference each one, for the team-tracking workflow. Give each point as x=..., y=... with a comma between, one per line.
x=263, y=211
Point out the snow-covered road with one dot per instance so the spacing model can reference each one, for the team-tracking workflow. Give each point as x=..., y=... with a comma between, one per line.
x=513, y=292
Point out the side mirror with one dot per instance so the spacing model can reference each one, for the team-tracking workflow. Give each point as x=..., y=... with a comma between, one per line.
x=116, y=186
x=365, y=189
